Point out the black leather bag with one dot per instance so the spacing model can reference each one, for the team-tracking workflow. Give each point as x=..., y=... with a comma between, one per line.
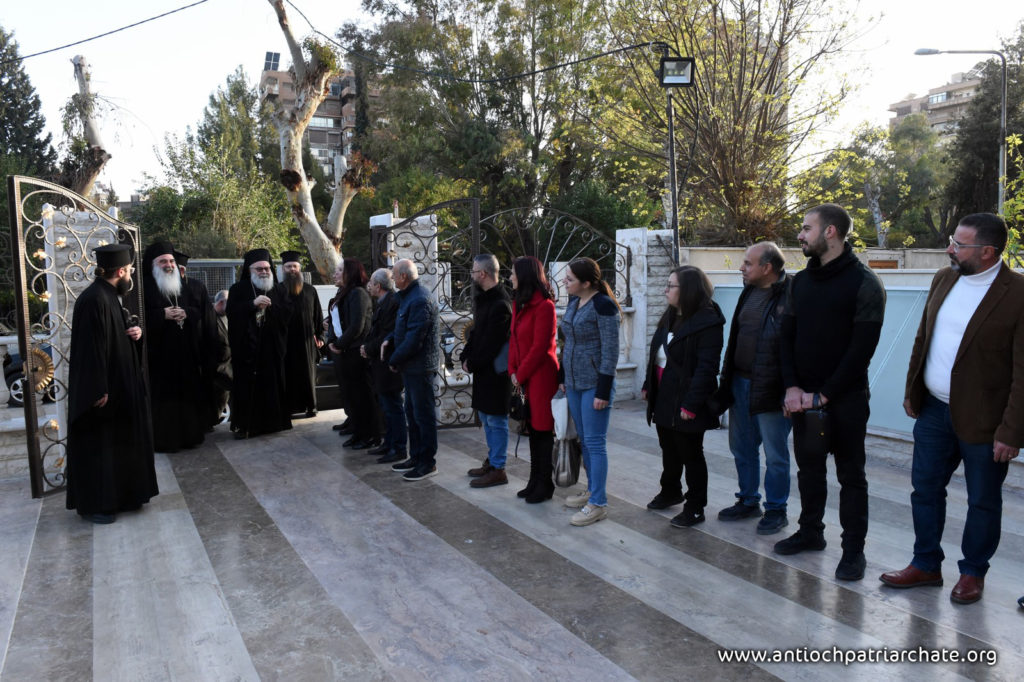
x=817, y=428
x=519, y=409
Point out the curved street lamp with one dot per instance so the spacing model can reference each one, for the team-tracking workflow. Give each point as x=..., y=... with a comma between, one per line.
x=1002, y=115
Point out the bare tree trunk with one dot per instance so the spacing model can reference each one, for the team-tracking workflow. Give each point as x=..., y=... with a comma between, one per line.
x=872, y=193
x=311, y=79
x=81, y=177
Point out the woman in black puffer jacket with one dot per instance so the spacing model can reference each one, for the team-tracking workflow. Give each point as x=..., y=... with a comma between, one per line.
x=682, y=375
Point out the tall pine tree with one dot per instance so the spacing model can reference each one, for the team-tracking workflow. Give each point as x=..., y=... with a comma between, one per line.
x=22, y=129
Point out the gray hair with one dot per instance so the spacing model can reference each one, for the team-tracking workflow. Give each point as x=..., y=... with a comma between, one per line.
x=408, y=268
x=487, y=263
x=772, y=254
x=221, y=295
x=382, y=278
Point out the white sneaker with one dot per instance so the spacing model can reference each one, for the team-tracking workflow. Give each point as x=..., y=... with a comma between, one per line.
x=588, y=515
x=578, y=500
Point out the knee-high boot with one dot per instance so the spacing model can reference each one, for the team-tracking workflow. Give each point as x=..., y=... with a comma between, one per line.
x=541, y=444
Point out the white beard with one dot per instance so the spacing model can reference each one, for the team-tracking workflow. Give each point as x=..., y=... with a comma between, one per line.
x=263, y=282
x=169, y=283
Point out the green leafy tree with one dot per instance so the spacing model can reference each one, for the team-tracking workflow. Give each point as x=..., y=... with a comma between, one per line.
x=22, y=131
x=974, y=151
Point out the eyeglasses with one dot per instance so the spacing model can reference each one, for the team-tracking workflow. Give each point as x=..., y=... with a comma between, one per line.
x=957, y=245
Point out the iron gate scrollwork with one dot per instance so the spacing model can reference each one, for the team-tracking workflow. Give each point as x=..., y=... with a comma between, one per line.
x=444, y=238
x=53, y=232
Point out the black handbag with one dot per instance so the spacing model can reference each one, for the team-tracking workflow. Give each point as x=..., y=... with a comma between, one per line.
x=566, y=459
x=519, y=409
x=817, y=428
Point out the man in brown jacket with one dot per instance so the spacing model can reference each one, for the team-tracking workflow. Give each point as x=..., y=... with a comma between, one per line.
x=965, y=387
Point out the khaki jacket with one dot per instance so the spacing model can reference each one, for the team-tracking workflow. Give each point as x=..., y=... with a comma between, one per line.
x=986, y=393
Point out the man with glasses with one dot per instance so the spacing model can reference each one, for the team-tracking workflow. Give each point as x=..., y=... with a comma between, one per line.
x=965, y=388
x=258, y=316
x=485, y=356
x=830, y=329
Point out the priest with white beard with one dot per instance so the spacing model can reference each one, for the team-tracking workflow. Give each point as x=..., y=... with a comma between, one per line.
x=174, y=329
x=258, y=317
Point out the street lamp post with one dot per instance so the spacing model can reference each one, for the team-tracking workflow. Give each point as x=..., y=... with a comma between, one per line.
x=1002, y=112
x=674, y=72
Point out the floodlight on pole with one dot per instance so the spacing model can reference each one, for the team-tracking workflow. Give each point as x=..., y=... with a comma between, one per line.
x=674, y=72
x=924, y=51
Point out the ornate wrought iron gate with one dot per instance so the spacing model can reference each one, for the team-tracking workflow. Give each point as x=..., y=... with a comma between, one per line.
x=53, y=232
x=444, y=238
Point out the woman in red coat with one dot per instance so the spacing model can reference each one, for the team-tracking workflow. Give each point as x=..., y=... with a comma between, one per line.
x=533, y=364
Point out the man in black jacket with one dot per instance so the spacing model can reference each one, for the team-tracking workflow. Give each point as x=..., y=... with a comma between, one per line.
x=492, y=389
x=386, y=383
x=829, y=333
x=752, y=386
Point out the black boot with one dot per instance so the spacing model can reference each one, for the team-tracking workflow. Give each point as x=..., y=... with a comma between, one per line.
x=531, y=485
x=541, y=444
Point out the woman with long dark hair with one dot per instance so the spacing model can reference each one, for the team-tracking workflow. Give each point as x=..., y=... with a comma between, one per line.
x=350, y=315
x=682, y=375
x=590, y=355
x=533, y=365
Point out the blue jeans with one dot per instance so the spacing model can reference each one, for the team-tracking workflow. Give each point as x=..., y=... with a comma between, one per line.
x=422, y=419
x=395, y=433
x=747, y=432
x=937, y=453
x=592, y=427
x=496, y=431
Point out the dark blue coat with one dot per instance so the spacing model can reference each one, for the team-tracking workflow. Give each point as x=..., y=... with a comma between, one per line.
x=415, y=339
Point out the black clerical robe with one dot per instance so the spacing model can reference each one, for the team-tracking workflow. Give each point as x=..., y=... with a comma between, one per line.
x=258, y=400
x=303, y=353
x=213, y=347
x=109, y=449
x=179, y=395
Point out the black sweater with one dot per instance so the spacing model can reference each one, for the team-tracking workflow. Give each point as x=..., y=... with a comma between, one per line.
x=831, y=326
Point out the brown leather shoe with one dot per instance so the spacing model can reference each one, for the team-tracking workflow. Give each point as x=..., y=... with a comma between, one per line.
x=481, y=470
x=911, y=576
x=968, y=589
x=492, y=477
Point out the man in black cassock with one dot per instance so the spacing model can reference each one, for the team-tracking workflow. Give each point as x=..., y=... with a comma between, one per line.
x=174, y=323
x=305, y=336
x=258, y=317
x=213, y=348
x=110, y=444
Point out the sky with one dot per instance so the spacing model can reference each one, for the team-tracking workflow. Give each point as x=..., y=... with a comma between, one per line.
x=160, y=75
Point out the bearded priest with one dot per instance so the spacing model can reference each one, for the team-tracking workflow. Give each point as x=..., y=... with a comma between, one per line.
x=258, y=317
x=174, y=326
x=305, y=337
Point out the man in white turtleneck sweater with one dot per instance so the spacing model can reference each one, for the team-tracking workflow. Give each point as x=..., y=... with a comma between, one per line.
x=965, y=387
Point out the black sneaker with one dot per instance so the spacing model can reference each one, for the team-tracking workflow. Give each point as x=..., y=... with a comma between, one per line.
x=851, y=566
x=390, y=457
x=772, y=522
x=739, y=511
x=404, y=465
x=687, y=518
x=417, y=475
x=662, y=501
x=800, y=542
x=381, y=449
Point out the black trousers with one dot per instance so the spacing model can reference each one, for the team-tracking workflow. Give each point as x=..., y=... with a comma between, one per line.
x=683, y=452
x=361, y=404
x=848, y=421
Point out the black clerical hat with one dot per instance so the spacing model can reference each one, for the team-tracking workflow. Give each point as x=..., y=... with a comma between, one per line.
x=255, y=256
x=113, y=256
x=181, y=258
x=290, y=257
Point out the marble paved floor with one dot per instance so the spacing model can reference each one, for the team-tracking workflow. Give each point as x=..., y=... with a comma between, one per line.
x=288, y=557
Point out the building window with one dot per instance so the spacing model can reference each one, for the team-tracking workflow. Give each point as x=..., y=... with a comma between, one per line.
x=325, y=122
x=937, y=98
x=335, y=89
x=272, y=61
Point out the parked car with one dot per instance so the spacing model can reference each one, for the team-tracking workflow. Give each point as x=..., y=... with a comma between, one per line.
x=14, y=377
